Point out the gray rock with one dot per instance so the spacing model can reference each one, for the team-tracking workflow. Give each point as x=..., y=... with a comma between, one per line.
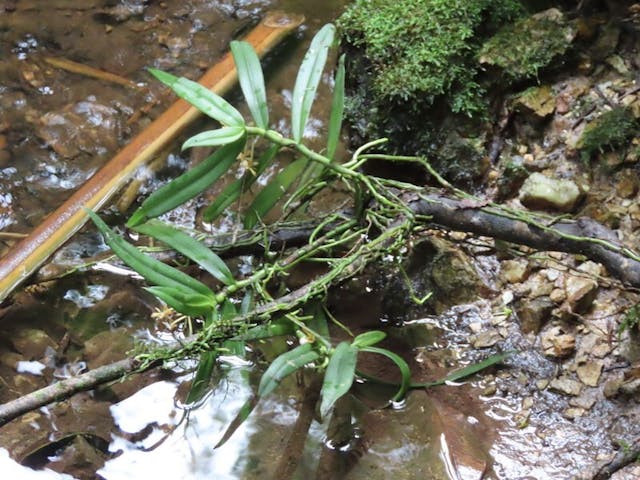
x=542, y=192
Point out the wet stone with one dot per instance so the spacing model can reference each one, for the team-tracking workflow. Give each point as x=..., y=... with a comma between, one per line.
x=514, y=271
x=538, y=101
x=542, y=384
x=581, y=292
x=537, y=285
x=612, y=387
x=540, y=192
x=557, y=343
x=534, y=313
x=32, y=343
x=585, y=400
x=10, y=359
x=566, y=385
x=589, y=372
x=574, y=412
x=487, y=338
x=94, y=128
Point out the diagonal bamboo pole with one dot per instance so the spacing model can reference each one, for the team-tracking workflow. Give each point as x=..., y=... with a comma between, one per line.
x=27, y=255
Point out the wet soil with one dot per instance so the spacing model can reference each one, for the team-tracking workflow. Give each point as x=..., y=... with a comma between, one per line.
x=557, y=410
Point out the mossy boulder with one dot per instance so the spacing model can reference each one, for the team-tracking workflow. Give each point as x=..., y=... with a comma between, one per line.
x=520, y=50
x=611, y=130
x=425, y=48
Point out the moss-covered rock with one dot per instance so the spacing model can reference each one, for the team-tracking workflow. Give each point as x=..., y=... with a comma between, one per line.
x=523, y=48
x=611, y=130
x=425, y=48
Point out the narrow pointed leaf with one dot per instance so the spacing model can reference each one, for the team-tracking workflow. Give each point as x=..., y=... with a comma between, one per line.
x=189, y=184
x=318, y=322
x=214, y=138
x=191, y=304
x=189, y=247
x=205, y=100
x=237, y=187
x=405, y=372
x=285, y=365
x=151, y=269
x=308, y=79
x=339, y=376
x=202, y=378
x=368, y=338
x=468, y=370
x=337, y=110
x=251, y=81
x=273, y=192
x=239, y=419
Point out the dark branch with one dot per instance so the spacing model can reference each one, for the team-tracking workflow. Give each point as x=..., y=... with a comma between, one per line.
x=455, y=215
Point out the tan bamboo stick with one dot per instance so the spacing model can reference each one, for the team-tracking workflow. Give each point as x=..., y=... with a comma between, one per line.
x=86, y=70
x=27, y=255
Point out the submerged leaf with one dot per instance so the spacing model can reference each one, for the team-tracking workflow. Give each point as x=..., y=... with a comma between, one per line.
x=202, y=378
x=338, y=377
x=189, y=184
x=235, y=188
x=473, y=368
x=405, y=372
x=213, y=138
x=251, y=81
x=151, y=269
x=189, y=247
x=308, y=79
x=203, y=99
x=272, y=193
x=285, y=365
x=239, y=419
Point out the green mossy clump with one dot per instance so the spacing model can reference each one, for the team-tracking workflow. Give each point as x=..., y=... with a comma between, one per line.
x=425, y=48
x=611, y=130
x=523, y=48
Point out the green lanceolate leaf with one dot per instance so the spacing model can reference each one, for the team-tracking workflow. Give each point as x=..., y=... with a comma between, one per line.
x=308, y=79
x=339, y=376
x=191, y=304
x=150, y=268
x=285, y=365
x=405, y=372
x=205, y=100
x=239, y=419
x=468, y=370
x=189, y=184
x=235, y=188
x=318, y=322
x=202, y=378
x=213, y=138
x=189, y=247
x=251, y=81
x=337, y=110
x=368, y=338
x=269, y=195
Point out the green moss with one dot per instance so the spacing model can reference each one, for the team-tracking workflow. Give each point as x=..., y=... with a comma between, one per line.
x=528, y=45
x=425, y=48
x=611, y=130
